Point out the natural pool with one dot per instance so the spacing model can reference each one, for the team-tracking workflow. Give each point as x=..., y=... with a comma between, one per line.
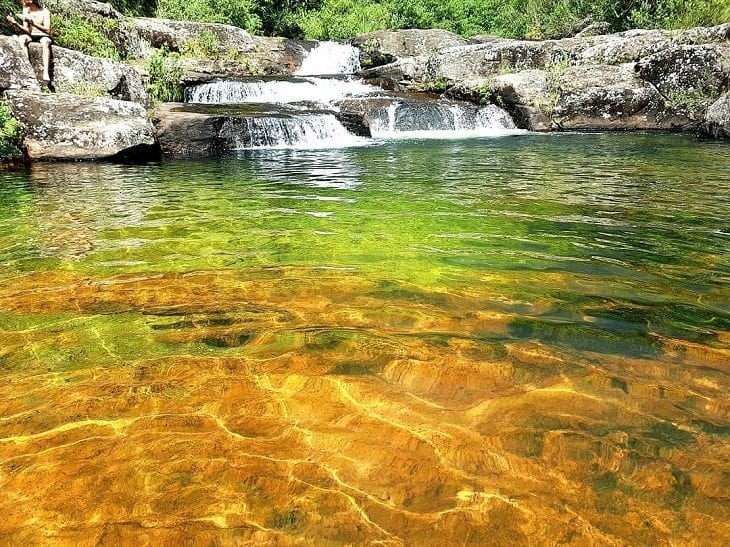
x=520, y=340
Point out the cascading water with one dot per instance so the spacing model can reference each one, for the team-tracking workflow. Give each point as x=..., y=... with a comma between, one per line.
x=439, y=120
x=330, y=58
x=302, y=111
x=283, y=91
x=305, y=131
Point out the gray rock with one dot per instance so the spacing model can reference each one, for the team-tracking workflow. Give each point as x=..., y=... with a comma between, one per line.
x=383, y=47
x=595, y=29
x=529, y=87
x=75, y=72
x=490, y=59
x=524, y=95
x=705, y=35
x=182, y=133
x=717, y=119
x=175, y=34
x=68, y=127
x=399, y=74
x=527, y=96
x=609, y=97
x=277, y=57
x=623, y=47
x=16, y=71
x=686, y=71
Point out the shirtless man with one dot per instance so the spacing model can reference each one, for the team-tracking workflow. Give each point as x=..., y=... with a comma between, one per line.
x=35, y=27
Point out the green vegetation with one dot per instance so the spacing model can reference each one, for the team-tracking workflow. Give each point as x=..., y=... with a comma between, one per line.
x=241, y=13
x=10, y=135
x=89, y=36
x=205, y=45
x=164, y=75
x=536, y=19
x=340, y=19
x=7, y=7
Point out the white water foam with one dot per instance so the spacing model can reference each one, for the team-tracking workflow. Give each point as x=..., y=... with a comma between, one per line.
x=329, y=58
x=320, y=90
x=434, y=121
x=306, y=131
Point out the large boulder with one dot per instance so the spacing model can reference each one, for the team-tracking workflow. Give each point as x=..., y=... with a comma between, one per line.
x=688, y=74
x=609, y=97
x=527, y=96
x=620, y=48
x=492, y=58
x=183, y=133
x=227, y=40
x=399, y=74
x=717, y=119
x=80, y=74
x=68, y=127
x=16, y=71
x=383, y=47
x=271, y=57
x=705, y=35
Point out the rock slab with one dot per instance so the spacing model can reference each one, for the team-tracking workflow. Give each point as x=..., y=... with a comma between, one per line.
x=69, y=127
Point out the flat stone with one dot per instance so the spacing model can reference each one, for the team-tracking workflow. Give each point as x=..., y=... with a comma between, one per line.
x=69, y=127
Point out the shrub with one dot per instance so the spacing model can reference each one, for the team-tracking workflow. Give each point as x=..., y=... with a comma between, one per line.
x=241, y=13
x=675, y=14
x=7, y=7
x=537, y=19
x=205, y=46
x=338, y=19
x=10, y=135
x=164, y=75
x=136, y=8
x=86, y=35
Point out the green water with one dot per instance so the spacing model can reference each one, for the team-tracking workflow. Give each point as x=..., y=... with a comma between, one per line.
x=581, y=281
x=642, y=219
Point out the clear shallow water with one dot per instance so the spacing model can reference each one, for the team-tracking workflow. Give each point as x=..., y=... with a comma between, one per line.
x=523, y=338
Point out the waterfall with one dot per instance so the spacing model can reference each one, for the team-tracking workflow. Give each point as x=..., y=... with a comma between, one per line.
x=300, y=131
x=439, y=120
x=330, y=58
x=283, y=91
x=302, y=111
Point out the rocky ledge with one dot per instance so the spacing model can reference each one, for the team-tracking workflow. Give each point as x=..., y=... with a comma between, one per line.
x=634, y=80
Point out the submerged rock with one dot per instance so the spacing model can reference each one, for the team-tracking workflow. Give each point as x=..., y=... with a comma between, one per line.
x=68, y=127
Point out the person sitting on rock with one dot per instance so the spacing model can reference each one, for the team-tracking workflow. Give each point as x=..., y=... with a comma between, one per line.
x=35, y=27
